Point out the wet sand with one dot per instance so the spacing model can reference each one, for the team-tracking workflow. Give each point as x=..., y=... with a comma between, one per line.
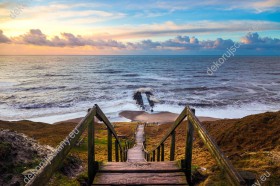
x=161, y=118
x=142, y=116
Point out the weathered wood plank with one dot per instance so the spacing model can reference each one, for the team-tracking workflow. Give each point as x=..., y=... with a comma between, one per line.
x=142, y=171
x=91, y=152
x=167, y=165
x=121, y=156
x=154, y=156
x=172, y=146
x=136, y=153
x=116, y=151
x=166, y=173
x=109, y=145
x=167, y=178
x=162, y=152
x=158, y=153
x=188, y=152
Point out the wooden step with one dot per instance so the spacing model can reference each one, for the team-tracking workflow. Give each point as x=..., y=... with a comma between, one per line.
x=141, y=178
x=170, y=165
x=140, y=173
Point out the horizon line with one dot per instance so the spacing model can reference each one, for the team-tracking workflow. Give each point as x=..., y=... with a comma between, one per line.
x=141, y=55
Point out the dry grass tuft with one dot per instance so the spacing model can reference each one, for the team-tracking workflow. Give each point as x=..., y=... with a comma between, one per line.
x=251, y=143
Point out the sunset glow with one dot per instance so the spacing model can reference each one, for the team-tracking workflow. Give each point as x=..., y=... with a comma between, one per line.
x=124, y=27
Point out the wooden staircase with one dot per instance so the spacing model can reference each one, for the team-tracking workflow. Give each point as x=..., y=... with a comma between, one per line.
x=137, y=171
x=135, y=165
x=140, y=173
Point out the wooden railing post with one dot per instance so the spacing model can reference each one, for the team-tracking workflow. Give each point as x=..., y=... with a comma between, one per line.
x=162, y=152
x=124, y=153
x=177, y=122
x=44, y=174
x=172, y=147
x=117, y=151
x=91, y=152
x=121, y=155
x=111, y=132
x=109, y=145
x=158, y=153
x=126, y=144
x=188, y=152
x=193, y=123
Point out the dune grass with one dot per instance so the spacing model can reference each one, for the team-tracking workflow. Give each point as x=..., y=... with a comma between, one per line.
x=251, y=143
x=53, y=134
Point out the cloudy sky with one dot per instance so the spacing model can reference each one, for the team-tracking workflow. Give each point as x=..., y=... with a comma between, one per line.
x=207, y=27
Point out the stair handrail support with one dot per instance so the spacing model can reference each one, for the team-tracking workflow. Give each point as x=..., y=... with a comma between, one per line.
x=88, y=122
x=194, y=124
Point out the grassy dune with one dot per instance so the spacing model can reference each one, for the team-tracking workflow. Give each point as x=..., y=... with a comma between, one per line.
x=53, y=134
x=251, y=143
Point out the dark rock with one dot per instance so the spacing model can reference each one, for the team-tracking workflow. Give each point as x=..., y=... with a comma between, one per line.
x=18, y=152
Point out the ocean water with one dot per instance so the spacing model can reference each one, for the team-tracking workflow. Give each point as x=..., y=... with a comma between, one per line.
x=53, y=88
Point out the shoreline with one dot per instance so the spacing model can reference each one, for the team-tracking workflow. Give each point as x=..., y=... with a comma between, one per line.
x=160, y=117
x=125, y=116
x=141, y=116
x=115, y=114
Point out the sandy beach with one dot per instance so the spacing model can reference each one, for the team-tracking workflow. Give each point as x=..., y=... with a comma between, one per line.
x=142, y=116
x=161, y=117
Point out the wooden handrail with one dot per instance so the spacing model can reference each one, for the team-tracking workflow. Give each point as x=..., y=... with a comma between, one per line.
x=42, y=176
x=102, y=117
x=177, y=122
x=224, y=163
x=193, y=123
